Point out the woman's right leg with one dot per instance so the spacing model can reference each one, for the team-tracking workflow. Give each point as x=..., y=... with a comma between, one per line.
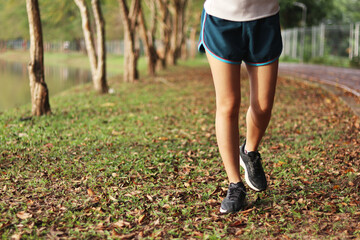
x=226, y=79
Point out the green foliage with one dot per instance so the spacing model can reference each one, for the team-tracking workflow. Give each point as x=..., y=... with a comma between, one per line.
x=317, y=11
x=333, y=12
x=355, y=62
x=13, y=19
x=331, y=60
x=113, y=21
x=194, y=10
x=60, y=19
x=345, y=11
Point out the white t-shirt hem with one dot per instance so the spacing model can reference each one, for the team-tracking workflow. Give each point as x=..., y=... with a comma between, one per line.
x=241, y=10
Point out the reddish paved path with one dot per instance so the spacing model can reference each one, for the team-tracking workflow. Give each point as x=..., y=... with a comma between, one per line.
x=345, y=78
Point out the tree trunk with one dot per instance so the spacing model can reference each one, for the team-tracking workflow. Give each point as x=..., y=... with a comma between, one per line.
x=100, y=77
x=38, y=87
x=130, y=60
x=193, y=42
x=171, y=54
x=164, y=32
x=130, y=53
x=97, y=61
x=184, y=50
x=181, y=43
x=148, y=40
x=177, y=9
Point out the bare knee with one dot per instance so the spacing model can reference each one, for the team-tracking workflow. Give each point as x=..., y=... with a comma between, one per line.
x=228, y=107
x=261, y=111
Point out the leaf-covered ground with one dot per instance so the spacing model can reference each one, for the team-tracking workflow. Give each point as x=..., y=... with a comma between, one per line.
x=143, y=163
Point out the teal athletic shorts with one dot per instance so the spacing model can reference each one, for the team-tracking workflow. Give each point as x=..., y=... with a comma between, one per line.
x=256, y=42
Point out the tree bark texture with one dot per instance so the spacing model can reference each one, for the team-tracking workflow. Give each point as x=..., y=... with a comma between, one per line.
x=97, y=60
x=148, y=40
x=131, y=55
x=100, y=77
x=177, y=9
x=193, y=42
x=38, y=88
x=165, y=31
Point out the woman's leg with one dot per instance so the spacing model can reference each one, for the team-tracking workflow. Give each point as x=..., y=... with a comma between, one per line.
x=262, y=91
x=226, y=79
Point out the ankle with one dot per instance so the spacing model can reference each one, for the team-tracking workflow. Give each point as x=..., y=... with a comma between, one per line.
x=247, y=150
x=235, y=182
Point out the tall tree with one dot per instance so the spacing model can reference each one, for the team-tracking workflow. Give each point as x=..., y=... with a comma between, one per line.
x=131, y=54
x=165, y=31
x=97, y=59
x=38, y=88
x=345, y=11
x=193, y=17
x=317, y=11
x=148, y=36
x=177, y=9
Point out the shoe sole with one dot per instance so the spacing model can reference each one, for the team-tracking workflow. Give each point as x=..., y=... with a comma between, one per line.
x=223, y=210
x=242, y=164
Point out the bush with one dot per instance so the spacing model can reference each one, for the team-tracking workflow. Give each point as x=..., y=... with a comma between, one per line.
x=331, y=61
x=355, y=62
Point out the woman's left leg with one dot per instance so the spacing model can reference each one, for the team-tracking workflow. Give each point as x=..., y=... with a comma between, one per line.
x=262, y=92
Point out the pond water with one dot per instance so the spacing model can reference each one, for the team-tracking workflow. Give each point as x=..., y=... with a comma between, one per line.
x=14, y=80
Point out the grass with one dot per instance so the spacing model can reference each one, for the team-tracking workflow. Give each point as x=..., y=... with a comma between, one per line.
x=143, y=163
x=328, y=60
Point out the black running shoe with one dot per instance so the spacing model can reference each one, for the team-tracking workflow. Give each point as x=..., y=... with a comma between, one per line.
x=235, y=199
x=254, y=172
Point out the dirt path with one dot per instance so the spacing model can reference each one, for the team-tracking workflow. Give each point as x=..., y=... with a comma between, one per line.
x=346, y=78
x=332, y=78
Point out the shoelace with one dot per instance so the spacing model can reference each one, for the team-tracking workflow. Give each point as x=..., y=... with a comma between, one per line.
x=234, y=192
x=256, y=161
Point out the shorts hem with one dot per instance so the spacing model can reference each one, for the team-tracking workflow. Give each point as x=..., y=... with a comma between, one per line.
x=262, y=63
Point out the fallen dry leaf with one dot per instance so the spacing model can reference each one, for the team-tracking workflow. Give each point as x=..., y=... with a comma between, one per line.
x=237, y=223
x=166, y=206
x=115, y=133
x=150, y=198
x=121, y=224
x=16, y=236
x=141, y=218
x=90, y=192
x=112, y=198
x=108, y=104
x=23, y=215
x=157, y=222
x=239, y=232
x=49, y=145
